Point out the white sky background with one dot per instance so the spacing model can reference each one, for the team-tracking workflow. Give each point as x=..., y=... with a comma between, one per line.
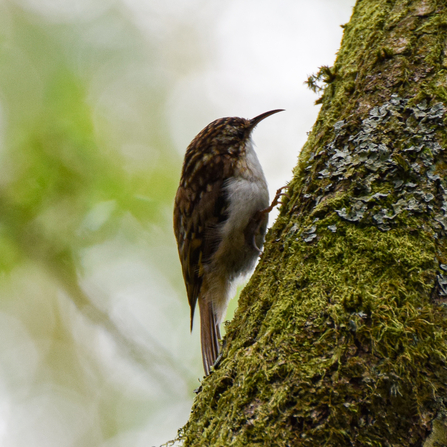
x=259, y=54
x=223, y=58
x=252, y=56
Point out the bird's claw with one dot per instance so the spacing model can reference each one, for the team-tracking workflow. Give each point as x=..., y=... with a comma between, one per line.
x=275, y=200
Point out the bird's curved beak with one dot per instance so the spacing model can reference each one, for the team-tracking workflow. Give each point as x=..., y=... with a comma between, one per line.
x=257, y=119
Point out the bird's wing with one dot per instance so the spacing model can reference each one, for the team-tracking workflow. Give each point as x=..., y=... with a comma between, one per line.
x=200, y=205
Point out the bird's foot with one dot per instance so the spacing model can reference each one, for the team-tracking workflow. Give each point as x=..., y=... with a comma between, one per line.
x=275, y=201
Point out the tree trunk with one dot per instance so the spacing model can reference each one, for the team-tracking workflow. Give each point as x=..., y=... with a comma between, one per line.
x=340, y=336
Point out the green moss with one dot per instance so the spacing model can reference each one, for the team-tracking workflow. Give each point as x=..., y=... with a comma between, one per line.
x=336, y=344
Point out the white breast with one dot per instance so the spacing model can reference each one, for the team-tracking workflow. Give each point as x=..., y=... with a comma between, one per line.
x=247, y=193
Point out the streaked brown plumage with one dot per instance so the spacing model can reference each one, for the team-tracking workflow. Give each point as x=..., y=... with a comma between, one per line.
x=219, y=220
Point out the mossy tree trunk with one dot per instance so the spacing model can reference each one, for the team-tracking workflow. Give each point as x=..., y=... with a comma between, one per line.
x=340, y=336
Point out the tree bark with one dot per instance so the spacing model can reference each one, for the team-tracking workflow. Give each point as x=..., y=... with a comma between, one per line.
x=340, y=336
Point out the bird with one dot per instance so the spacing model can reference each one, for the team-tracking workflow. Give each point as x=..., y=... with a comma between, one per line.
x=220, y=219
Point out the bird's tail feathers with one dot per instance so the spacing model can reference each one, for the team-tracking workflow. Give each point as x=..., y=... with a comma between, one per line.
x=209, y=334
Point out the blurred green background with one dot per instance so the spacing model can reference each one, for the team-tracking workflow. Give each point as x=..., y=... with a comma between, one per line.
x=98, y=101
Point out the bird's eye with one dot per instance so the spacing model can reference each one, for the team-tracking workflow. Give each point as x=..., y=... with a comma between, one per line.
x=240, y=133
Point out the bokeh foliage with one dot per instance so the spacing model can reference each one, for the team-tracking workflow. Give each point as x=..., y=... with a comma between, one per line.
x=87, y=176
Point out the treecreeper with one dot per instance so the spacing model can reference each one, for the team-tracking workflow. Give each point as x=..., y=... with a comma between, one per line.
x=220, y=220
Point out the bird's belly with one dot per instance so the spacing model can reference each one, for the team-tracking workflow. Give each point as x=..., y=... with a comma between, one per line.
x=235, y=253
